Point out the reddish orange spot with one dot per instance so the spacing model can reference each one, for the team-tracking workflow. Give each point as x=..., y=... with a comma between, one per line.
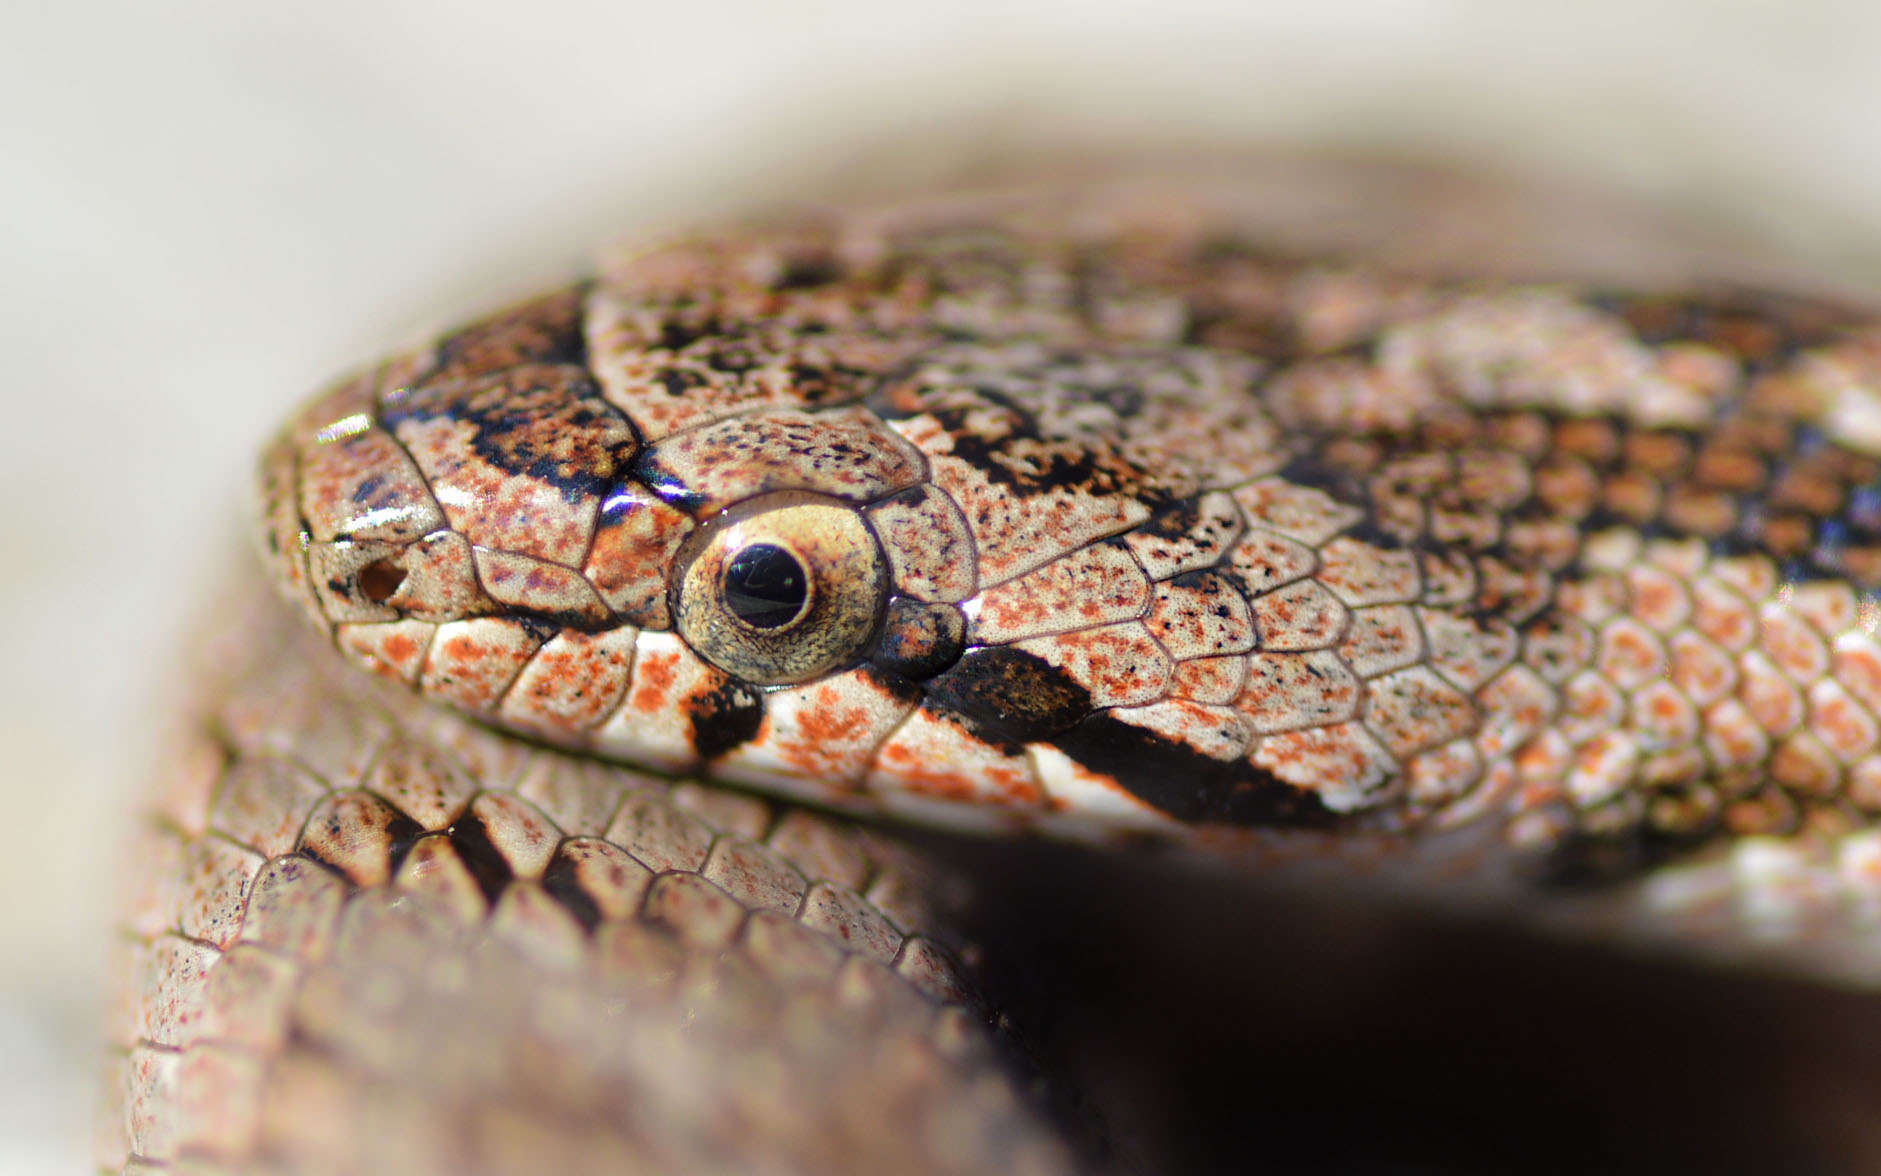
x=400, y=648
x=1015, y=786
x=829, y=722
x=656, y=677
x=826, y=735
x=946, y=785
x=464, y=649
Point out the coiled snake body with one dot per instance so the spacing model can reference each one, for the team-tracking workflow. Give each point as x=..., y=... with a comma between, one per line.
x=1087, y=512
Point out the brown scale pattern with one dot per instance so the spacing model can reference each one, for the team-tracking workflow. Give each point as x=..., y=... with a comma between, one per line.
x=372, y=938
x=1296, y=558
x=1350, y=545
x=1754, y=482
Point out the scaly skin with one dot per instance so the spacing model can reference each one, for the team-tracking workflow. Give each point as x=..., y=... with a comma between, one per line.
x=1085, y=512
x=372, y=937
x=1171, y=535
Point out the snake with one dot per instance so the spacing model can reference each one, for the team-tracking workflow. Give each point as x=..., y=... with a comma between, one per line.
x=554, y=796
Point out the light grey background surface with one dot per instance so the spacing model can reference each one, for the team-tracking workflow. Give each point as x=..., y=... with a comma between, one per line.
x=208, y=207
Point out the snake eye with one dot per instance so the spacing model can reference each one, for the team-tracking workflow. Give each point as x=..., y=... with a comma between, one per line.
x=781, y=589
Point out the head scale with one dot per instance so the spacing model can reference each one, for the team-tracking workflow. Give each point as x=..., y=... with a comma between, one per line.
x=872, y=523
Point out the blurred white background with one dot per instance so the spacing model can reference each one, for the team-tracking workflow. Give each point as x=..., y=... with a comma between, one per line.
x=209, y=207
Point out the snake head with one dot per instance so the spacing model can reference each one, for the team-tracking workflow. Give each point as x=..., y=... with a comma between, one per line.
x=875, y=523
x=483, y=522
x=1097, y=516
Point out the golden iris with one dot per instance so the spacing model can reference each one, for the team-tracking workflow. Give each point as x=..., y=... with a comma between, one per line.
x=781, y=589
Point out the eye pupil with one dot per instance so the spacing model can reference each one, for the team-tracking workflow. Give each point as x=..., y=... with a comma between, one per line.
x=765, y=586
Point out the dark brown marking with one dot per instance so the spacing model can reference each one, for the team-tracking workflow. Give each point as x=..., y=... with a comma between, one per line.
x=724, y=717
x=542, y=421
x=562, y=882
x=401, y=831
x=1175, y=779
x=542, y=330
x=1009, y=696
x=480, y=856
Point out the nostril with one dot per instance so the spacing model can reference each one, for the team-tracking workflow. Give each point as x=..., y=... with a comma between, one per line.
x=379, y=579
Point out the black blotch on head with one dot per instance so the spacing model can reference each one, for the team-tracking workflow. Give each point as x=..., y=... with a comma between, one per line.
x=1048, y=465
x=543, y=421
x=1092, y=467
x=1176, y=779
x=546, y=330
x=919, y=639
x=1174, y=523
x=724, y=717
x=1008, y=696
x=471, y=838
x=564, y=886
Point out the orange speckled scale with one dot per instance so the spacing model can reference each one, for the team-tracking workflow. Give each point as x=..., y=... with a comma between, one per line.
x=1117, y=665
x=1285, y=690
x=1085, y=511
x=573, y=682
x=932, y=758
x=1091, y=586
x=825, y=734
x=1200, y=615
